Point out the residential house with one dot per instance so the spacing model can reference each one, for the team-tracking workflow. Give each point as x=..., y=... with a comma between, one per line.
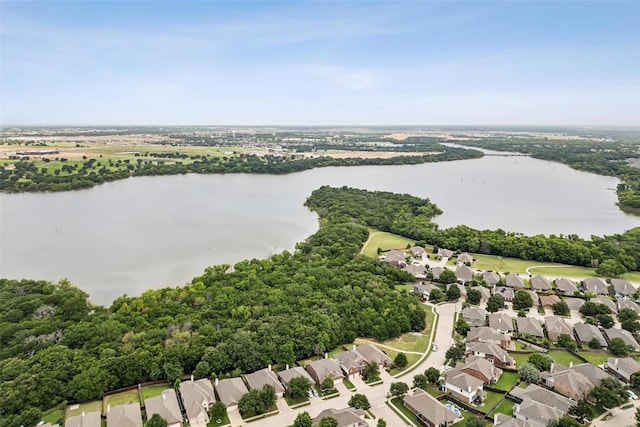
x=418, y=252
x=348, y=417
x=424, y=290
x=493, y=353
x=557, y=326
x=396, y=258
x=287, y=375
x=586, y=333
x=627, y=303
x=501, y=322
x=258, y=379
x=606, y=301
x=595, y=286
x=488, y=335
x=465, y=258
x=166, y=405
x=124, y=416
x=574, y=304
x=625, y=335
x=507, y=294
x=230, y=390
x=197, y=396
x=491, y=278
x=371, y=353
x=86, y=419
x=547, y=301
x=480, y=368
x=417, y=271
x=540, y=283
x=622, y=288
x=592, y=372
x=534, y=296
x=529, y=326
x=503, y=420
x=351, y=362
x=622, y=368
x=475, y=316
x=514, y=281
x=444, y=253
x=566, y=287
x=437, y=271
x=464, y=274
x=429, y=410
x=485, y=293
x=463, y=290
x=463, y=386
x=325, y=368
x=539, y=406
x=568, y=382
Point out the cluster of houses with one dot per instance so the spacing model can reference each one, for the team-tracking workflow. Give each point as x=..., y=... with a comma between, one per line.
x=191, y=405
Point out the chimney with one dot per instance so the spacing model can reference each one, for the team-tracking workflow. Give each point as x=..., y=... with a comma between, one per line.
x=326, y=355
x=269, y=366
x=287, y=367
x=216, y=381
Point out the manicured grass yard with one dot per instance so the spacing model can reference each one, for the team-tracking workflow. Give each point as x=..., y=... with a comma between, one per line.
x=385, y=241
x=291, y=401
x=432, y=389
x=95, y=406
x=53, y=416
x=123, y=398
x=491, y=401
x=506, y=407
x=507, y=380
x=595, y=358
x=348, y=383
x=223, y=422
x=153, y=391
x=521, y=346
x=520, y=358
x=397, y=402
x=466, y=415
x=564, y=357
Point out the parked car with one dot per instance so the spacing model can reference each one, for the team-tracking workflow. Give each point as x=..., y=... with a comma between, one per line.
x=434, y=348
x=632, y=395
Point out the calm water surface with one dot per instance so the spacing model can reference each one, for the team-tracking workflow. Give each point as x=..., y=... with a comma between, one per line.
x=140, y=233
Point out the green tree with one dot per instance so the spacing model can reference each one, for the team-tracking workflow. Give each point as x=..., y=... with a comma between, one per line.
x=605, y=321
x=495, y=303
x=474, y=296
x=156, y=421
x=327, y=383
x=202, y=370
x=398, y=389
x=371, y=372
x=420, y=381
x=541, y=361
x=637, y=417
x=400, y=361
x=610, y=393
x=522, y=300
x=381, y=423
x=582, y=410
x=561, y=309
x=447, y=276
x=565, y=340
x=303, y=420
x=462, y=327
x=618, y=347
x=453, y=293
x=218, y=410
x=595, y=343
x=529, y=373
x=328, y=422
x=635, y=380
x=436, y=295
x=564, y=422
x=299, y=387
x=611, y=268
x=432, y=374
x=455, y=353
x=359, y=401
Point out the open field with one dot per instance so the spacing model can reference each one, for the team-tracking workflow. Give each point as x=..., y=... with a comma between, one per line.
x=384, y=241
x=153, y=391
x=95, y=406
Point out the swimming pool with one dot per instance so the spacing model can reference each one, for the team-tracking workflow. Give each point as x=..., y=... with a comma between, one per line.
x=453, y=409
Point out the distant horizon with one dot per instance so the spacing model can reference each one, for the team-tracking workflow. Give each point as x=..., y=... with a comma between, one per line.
x=302, y=63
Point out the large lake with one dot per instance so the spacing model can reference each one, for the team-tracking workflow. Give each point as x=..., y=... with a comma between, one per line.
x=140, y=233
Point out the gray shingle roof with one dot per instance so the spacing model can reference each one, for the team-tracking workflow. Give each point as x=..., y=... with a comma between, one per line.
x=540, y=283
x=86, y=419
x=124, y=416
x=429, y=408
x=259, y=379
x=514, y=281
x=624, y=335
x=165, y=405
x=294, y=372
x=566, y=285
x=529, y=326
x=587, y=332
x=230, y=390
x=197, y=396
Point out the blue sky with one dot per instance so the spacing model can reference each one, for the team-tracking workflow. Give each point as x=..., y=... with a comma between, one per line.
x=319, y=63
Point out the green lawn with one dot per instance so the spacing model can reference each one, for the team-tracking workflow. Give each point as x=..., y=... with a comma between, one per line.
x=523, y=346
x=507, y=380
x=520, y=358
x=291, y=401
x=433, y=390
x=491, y=401
x=95, y=406
x=123, y=398
x=349, y=384
x=466, y=415
x=564, y=357
x=53, y=416
x=506, y=407
x=153, y=391
x=595, y=358
x=385, y=241
x=223, y=422
x=397, y=403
